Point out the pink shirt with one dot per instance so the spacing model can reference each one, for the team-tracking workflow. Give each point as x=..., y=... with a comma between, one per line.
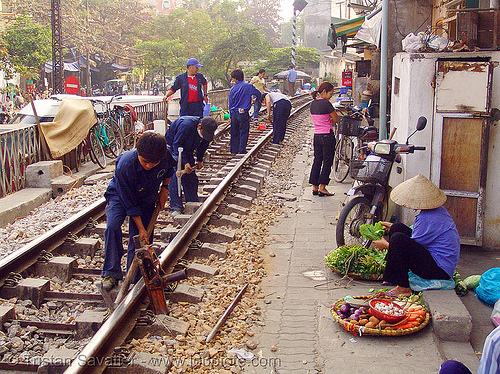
x=320, y=114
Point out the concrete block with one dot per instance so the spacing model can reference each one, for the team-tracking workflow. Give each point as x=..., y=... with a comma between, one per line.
x=88, y=323
x=61, y=267
x=199, y=270
x=7, y=313
x=56, y=361
x=93, y=179
x=99, y=229
x=186, y=293
x=259, y=168
x=41, y=174
x=216, y=181
x=63, y=184
x=209, y=188
x=191, y=207
x=450, y=319
x=168, y=233
x=266, y=162
x=33, y=289
x=202, y=196
x=228, y=209
x=181, y=219
x=256, y=175
x=247, y=190
x=239, y=199
x=162, y=325
x=81, y=247
x=139, y=363
x=216, y=235
x=225, y=220
x=254, y=182
x=22, y=203
x=207, y=249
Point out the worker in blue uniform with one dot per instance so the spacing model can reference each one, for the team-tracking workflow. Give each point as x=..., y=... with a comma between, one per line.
x=240, y=101
x=133, y=192
x=194, y=135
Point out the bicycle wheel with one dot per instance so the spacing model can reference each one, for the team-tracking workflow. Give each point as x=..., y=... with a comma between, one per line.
x=354, y=214
x=342, y=159
x=115, y=138
x=128, y=131
x=96, y=149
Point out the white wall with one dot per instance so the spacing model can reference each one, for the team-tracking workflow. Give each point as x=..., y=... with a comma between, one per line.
x=416, y=98
x=334, y=66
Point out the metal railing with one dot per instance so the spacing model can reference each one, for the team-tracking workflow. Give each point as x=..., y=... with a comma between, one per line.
x=18, y=149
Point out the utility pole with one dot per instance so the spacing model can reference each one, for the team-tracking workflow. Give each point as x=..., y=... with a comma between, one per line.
x=87, y=54
x=57, y=57
x=298, y=5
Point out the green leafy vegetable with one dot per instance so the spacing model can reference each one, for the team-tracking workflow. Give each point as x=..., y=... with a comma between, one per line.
x=358, y=260
x=372, y=232
x=460, y=286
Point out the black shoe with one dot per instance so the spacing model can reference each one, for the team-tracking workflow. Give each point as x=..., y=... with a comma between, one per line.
x=325, y=194
x=315, y=193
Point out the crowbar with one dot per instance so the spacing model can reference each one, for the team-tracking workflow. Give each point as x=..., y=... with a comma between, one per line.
x=179, y=167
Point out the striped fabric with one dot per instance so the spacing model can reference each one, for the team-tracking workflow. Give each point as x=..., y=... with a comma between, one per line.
x=490, y=360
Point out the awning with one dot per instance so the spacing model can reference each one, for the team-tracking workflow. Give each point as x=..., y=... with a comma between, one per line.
x=349, y=27
x=68, y=66
x=120, y=67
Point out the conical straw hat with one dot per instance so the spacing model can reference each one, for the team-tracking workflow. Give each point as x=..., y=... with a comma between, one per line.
x=418, y=193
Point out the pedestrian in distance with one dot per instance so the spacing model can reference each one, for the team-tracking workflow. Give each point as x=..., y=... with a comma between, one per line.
x=240, y=101
x=291, y=77
x=194, y=135
x=431, y=249
x=282, y=107
x=193, y=86
x=18, y=101
x=259, y=82
x=324, y=117
x=133, y=192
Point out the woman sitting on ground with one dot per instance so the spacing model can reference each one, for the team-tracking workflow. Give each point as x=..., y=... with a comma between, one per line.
x=432, y=249
x=323, y=116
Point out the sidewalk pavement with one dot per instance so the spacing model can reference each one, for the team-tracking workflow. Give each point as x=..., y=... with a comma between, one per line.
x=300, y=335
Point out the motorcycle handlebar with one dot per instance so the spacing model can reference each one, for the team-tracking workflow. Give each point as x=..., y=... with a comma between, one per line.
x=409, y=148
x=419, y=148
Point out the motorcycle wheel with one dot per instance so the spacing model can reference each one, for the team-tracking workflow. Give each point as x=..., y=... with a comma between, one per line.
x=354, y=214
x=342, y=159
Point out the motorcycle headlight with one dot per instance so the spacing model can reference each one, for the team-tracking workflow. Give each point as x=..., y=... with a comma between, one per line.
x=382, y=148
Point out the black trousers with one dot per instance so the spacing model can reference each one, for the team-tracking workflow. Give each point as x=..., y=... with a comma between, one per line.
x=281, y=112
x=324, y=150
x=406, y=254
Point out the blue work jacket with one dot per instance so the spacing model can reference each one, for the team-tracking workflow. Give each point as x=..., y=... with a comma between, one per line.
x=183, y=132
x=181, y=82
x=135, y=186
x=240, y=95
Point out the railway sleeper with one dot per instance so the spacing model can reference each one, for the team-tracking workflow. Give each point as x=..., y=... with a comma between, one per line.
x=162, y=325
x=81, y=247
x=206, y=250
x=231, y=209
x=216, y=235
x=61, y=267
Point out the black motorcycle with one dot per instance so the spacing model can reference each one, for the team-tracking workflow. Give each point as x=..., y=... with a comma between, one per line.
x=369, y=196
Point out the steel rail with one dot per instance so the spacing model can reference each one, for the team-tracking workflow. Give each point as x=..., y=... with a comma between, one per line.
x=91, y=360
x=28, y=255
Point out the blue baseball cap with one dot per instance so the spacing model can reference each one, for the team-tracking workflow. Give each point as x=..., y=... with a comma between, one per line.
x=193, y=61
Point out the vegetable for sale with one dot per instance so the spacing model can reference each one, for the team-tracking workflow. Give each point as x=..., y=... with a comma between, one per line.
x=367, y=263
x=460, y=286
x=372, y=232
x=472, y=281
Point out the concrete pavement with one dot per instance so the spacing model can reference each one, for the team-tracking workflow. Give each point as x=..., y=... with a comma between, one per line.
x=300, y=335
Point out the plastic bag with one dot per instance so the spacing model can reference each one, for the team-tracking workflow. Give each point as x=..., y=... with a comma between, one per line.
x=488, y=290
x=438, y=43
x=419, y=284
x=495, y=314
x=206, y=110
x=412, y=43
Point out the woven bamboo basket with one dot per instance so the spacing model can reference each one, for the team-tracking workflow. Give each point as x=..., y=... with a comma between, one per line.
x=372, y=277
x=361, y=330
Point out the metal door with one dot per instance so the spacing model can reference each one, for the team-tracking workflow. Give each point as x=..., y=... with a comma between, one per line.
x=461, y=127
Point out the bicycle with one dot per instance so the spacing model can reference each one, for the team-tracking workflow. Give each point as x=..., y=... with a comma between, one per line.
x=107, y=132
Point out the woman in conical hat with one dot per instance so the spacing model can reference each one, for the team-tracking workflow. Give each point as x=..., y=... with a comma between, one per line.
x=432, y=249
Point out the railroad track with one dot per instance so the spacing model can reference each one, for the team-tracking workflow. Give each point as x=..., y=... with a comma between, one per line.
x=229, y=185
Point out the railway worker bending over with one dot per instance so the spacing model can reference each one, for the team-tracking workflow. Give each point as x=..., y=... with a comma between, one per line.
x=133, y=192
x=193, y=134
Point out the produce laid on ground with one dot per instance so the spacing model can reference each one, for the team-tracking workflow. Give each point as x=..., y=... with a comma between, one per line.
x=372, y=315
x=357, y=262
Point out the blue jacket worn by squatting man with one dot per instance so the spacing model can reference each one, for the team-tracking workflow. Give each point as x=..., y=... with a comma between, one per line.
x=183, y=132
x=135, y=186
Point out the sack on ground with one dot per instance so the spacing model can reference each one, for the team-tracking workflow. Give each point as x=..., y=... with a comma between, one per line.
x=419, y=284
x=488, y=290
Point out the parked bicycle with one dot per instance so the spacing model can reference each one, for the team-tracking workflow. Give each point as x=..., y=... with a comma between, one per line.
x=108, y=132
x=351, y=139
x=369, y=199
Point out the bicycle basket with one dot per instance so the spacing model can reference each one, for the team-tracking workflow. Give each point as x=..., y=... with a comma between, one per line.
x=376, y=171
x=349, y=126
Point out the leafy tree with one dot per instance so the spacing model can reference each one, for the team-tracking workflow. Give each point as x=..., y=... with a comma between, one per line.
x=264, y=14
x=26, y=46
x=286, y=31
x=233, y=48
x=279, y=59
